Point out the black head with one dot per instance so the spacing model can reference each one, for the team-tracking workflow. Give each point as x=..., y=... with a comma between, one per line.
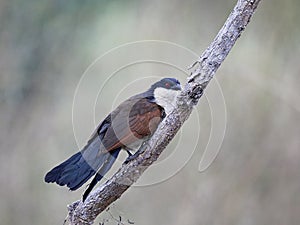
x=167, y=83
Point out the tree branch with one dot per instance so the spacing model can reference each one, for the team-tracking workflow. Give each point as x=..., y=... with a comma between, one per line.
x=206, y=66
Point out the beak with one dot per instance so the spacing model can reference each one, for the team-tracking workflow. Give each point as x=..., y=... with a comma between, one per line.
x=176, y=87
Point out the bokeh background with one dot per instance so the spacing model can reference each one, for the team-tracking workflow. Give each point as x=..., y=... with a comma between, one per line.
x=45, y=47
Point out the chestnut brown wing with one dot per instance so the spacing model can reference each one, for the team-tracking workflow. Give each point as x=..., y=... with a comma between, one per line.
x=134, y=119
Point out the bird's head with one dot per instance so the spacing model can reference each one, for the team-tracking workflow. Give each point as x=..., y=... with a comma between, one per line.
x=165, y=92
x=167, y=83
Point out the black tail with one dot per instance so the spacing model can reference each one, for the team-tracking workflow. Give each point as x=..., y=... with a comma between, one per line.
x=102, y=171
x=80, y=167
x=73, y=172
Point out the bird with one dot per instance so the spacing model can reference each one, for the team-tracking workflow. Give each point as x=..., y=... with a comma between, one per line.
x=127, y=127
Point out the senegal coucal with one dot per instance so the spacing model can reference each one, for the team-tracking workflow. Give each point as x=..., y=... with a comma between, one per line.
x=127, y=127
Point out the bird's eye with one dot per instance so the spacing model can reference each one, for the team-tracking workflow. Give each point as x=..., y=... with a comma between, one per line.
x=167, y=85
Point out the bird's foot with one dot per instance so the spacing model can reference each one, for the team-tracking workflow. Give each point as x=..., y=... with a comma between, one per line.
x=134, y=156
x=130, y=158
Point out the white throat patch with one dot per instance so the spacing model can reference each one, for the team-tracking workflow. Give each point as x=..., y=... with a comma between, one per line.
x=165, y=98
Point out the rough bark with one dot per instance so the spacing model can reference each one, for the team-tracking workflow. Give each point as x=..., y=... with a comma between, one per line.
x=203, y=71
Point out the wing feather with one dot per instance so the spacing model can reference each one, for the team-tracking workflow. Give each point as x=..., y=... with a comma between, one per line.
x=134, y=120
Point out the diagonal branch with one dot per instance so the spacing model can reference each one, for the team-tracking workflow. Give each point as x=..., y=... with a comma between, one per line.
x=206, y=66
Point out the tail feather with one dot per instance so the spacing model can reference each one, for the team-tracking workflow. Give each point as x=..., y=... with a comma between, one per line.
x=73, y=172
x=80, y=167
x=110, y=159
x=55, y=174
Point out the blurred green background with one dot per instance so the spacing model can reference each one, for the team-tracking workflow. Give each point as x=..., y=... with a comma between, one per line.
x=45, y=47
